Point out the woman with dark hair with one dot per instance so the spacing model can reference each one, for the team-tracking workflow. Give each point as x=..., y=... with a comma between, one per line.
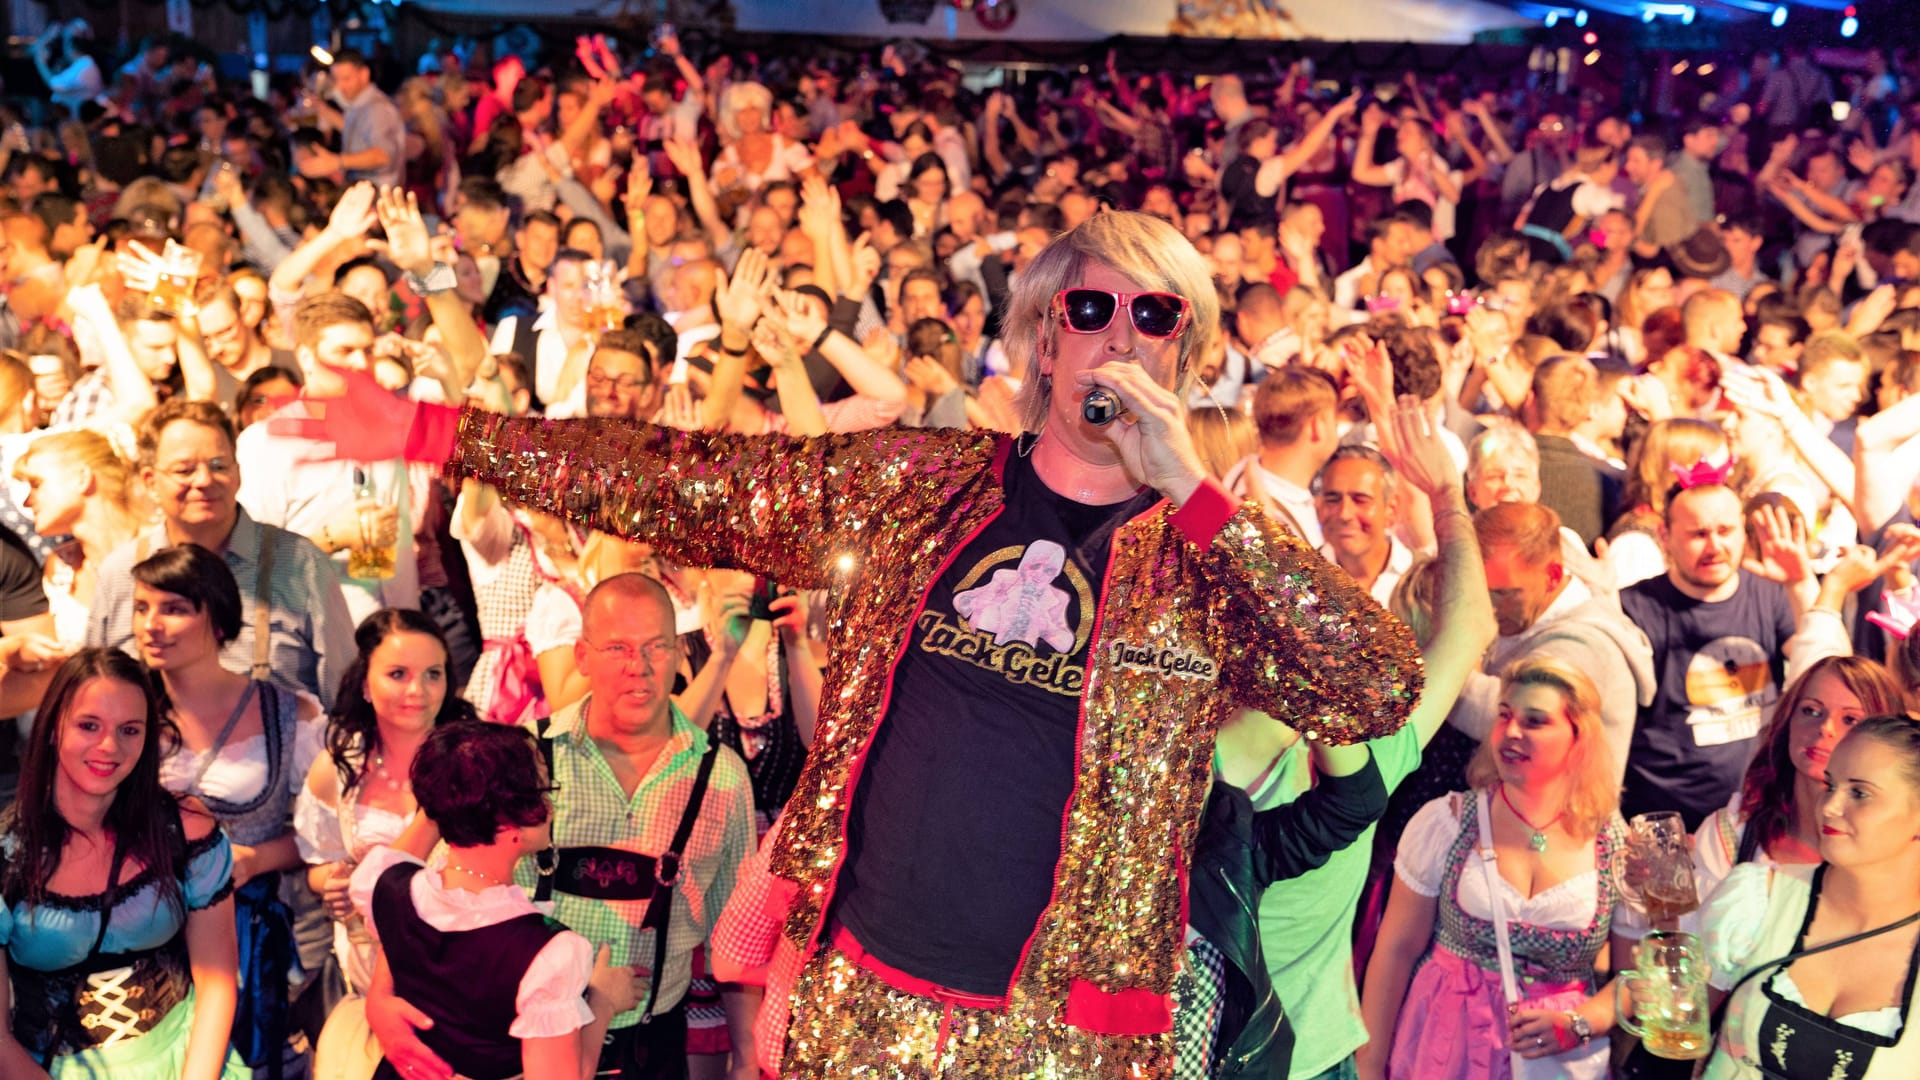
x=926, y=189
x=1818, y=962
x=244, y=747
x=262, y=392
x=392, y=697
x=1774, y=819
x=510, y=991
x=118, y=913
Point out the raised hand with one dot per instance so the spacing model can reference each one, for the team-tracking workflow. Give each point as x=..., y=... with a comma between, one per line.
x=140, y=266
x=866, y=266
x=740, y=297
x=1419, y=454
x=775, y=343
x=803, y=321
x=408, y=243
x=1785, y=553
x=677, y=409
x=639, y=187
x=684, y=155
x=353, y=215
x=931, y=377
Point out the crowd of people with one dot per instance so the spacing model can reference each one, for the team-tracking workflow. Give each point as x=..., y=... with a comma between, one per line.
x=805, y=566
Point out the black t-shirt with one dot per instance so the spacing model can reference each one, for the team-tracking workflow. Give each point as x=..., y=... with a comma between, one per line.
x=1720, y=667
x=956, y=824
x=1240, y=186
x=21, y=595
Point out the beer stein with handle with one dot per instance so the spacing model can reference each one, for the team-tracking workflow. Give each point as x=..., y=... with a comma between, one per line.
x=1663, y=1000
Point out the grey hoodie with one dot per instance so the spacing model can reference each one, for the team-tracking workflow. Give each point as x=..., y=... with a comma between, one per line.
x=1590, y=632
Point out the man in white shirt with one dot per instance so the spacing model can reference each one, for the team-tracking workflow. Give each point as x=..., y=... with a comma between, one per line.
x=285, y=484
x=563, y=345
x=373, y=138
x=1294, y=412
x=1354, y=501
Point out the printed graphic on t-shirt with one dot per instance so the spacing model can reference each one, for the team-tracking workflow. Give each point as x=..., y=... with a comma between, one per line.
x=1729, y=683
x=1012, y=616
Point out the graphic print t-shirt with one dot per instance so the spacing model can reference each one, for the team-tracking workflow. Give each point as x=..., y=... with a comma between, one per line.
x=1719, y=667
x=957, y=820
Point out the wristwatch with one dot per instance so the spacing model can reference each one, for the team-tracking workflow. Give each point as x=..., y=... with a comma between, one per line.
x=438, y=280
x=1580, y=1027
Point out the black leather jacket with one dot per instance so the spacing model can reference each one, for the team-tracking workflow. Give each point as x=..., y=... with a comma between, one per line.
x=1237, y=855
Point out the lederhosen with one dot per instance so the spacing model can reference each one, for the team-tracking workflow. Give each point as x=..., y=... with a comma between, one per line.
x=605, y=873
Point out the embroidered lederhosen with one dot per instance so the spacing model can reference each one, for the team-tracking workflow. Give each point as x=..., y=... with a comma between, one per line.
x=604, y=873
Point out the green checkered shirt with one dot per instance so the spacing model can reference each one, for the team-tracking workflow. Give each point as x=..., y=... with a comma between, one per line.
x=591, y=809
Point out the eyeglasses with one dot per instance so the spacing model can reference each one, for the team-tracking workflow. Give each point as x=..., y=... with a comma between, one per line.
x=647, y=655
x=599, y=382
x=185, y=472
x=1154, y=314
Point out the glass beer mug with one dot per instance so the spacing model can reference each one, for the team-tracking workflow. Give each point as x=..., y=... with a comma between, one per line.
x=1663, y=1000
x=179, y=269
x=1657, y=872
x=604, y=309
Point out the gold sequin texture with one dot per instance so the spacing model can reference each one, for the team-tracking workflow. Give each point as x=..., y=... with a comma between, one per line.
x=848, y=1023
x=874, y=516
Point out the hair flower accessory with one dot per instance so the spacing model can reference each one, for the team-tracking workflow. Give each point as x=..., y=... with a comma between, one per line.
x=1702, y=472
x=1903, y=610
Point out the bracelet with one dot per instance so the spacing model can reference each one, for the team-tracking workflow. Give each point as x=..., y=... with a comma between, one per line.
x=821, y=340
x=731, y=352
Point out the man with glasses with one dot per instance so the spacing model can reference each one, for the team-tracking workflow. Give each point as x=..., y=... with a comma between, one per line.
x=231, y=343
x=983, y=864
x=620, y=380
x=626, y=765
x=187, y=461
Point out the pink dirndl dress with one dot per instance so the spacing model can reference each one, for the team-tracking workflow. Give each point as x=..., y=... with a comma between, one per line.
x=1453, y=1022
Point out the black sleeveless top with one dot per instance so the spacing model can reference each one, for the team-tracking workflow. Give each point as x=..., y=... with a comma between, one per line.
x=466, y=980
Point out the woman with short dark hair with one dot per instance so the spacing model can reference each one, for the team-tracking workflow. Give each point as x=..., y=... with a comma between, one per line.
x=510, y=991
x=242, y=748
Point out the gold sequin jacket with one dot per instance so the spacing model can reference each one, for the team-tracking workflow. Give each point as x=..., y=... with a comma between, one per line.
x=1203, y=608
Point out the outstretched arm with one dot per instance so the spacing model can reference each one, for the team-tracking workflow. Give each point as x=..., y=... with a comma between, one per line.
x=782, y=507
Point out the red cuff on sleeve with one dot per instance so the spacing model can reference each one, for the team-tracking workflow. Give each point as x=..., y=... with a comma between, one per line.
x=1206, y=512
x=431, y=437
x=1117, y=1012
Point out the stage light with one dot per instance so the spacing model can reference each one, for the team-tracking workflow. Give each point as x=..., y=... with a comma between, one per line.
x=1686, y=17
x=1590, y=38
x=322, y=55
x=1780, y=16
x=1849, y=26
x=1580, y=17
x=1680, y=68
x=1704, y=70
x=1648, y=15
x=1593, y=58
x=1553, y=19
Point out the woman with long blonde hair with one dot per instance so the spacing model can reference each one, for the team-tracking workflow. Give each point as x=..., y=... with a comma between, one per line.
x=78, y=485
x=1532, y=842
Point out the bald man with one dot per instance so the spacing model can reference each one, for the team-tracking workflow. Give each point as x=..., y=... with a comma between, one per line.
x=626, y=764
